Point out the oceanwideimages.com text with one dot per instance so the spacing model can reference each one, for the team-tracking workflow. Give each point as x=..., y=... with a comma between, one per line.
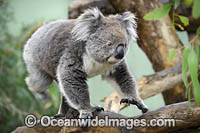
x=129, y=123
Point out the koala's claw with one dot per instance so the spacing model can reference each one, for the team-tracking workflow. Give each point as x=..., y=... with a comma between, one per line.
x=99, y=109
x=134, y=102
x=144, y=110
x=125, y=101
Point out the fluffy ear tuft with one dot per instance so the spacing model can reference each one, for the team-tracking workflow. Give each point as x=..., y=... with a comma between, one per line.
x=85, y=23
x=128, y=19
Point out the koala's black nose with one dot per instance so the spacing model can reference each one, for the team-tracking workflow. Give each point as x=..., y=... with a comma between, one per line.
x=119, y=53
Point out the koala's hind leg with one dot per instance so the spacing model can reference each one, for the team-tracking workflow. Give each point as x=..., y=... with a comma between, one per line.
x=38, y=81
x=65, y=110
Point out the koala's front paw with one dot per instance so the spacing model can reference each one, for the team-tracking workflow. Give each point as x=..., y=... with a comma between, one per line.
x=88, y=113
x=138, y=103
x=85, y=114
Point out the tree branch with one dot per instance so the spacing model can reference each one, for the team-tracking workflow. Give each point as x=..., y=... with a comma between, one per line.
x=184, y=117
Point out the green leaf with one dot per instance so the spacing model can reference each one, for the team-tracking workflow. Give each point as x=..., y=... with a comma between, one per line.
x=198, y=31
x=185, y=67
x=187, y=3
x=171, y=55
x=184, y=20
x=193, y=69
x=195, y=9
x=197, y=49
x=158, y=13
x=177, y=3
x=165, y=9
x=183, y=36
x=154, y=15
x=149, y=16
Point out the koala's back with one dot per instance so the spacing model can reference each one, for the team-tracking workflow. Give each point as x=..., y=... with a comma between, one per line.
x=48, y=43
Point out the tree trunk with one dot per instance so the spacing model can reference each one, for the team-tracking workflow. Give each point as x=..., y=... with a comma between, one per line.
x=78, y=6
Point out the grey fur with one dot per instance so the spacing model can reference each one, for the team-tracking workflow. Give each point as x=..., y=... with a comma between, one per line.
x=70, y=51
x=128, y=20
x=85, y=23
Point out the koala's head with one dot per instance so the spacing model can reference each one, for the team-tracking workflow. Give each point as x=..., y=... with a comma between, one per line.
x=107, y=38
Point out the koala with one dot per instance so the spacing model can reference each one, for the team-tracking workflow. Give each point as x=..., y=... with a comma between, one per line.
x=70, y=51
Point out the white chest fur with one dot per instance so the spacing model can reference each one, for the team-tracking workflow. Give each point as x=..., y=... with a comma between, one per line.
x=93, y=68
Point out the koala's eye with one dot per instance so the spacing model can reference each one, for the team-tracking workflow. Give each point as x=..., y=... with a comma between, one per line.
x=109, y=43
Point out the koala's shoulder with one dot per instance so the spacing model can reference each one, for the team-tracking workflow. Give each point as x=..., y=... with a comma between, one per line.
x=59, y=25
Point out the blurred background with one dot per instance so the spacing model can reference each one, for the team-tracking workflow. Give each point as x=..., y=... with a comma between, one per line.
x=18, y=18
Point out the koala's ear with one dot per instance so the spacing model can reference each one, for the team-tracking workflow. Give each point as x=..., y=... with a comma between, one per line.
x=86, y=23
x=128, y=20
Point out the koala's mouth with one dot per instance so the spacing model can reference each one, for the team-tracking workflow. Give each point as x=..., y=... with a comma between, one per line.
x=112, y=60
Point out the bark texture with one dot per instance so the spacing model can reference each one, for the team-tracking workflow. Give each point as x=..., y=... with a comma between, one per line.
x=185, y=118
x=78, y=6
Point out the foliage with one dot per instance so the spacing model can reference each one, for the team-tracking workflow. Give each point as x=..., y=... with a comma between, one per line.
x=15, y=99
x=191, y=54
x=171, y=55
x=198, y=31
x=158, y=13
x=195, y=9
x=5, y=15
x=184, y=20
